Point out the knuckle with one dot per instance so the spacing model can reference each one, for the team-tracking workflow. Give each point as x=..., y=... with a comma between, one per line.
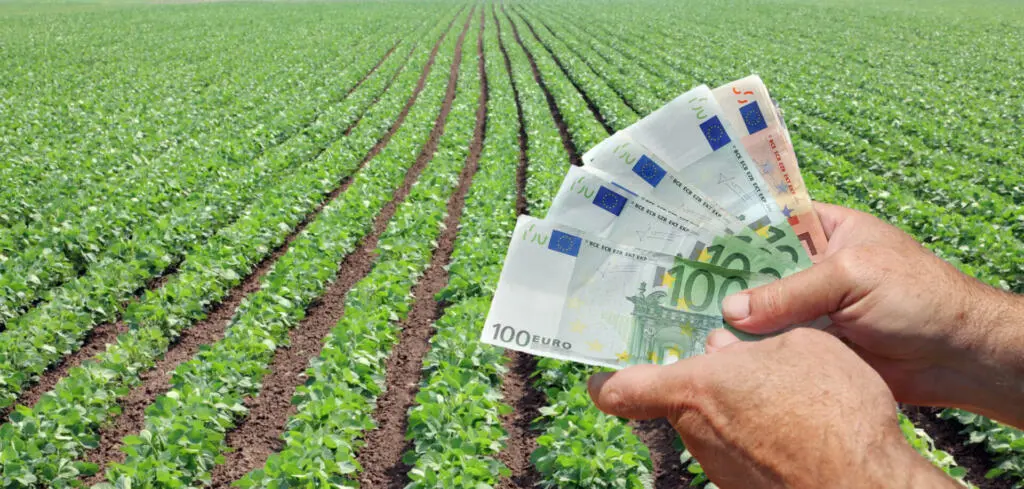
x=853, y=263
x=810, y=339
x=848, y=261
x=771, y=302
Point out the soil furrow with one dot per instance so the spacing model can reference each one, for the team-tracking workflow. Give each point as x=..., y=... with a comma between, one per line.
x=561, y=66
x=160, y=279
x=387, y=86
x=381, y=457
x=104, y=334
x=258, y=434
x=517, y=390
x=132, y=419
x=554, y=33
x=526, y=402
x=947, y=437
x=563, y=129
x=658, y=435
x=521, y=171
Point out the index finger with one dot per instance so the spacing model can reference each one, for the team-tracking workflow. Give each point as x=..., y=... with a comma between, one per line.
x=831, y=216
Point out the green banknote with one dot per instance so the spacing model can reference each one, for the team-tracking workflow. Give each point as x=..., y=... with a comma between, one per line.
x=590, y=201
x=691, y=134
x=567, y=295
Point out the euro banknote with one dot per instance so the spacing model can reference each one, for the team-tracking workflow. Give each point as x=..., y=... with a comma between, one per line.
x=691, y=135
x=636, y=168
x=589, y=201
x=567, y=295
x=750, y=110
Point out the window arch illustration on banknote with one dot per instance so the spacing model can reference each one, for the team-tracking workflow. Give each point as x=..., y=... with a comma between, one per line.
x=663, y=334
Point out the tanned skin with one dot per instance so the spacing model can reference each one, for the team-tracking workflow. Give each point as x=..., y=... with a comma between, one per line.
x=811, y=409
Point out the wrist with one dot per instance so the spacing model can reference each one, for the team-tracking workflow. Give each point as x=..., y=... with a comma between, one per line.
x=992, y=355
x=892, y=462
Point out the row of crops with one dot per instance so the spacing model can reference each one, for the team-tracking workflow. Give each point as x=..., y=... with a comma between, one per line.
x=151, y=176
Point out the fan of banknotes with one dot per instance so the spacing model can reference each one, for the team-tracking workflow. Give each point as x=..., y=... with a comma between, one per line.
x=700, y=199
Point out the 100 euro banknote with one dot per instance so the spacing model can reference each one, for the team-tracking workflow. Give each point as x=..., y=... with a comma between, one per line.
x=636, y=168
x=589, y=201
x=691, y=135
x=565, y=295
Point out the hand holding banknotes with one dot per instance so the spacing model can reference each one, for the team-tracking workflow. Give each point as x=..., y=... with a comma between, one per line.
x=933, y=334
x=797, y=411
x=937, y=336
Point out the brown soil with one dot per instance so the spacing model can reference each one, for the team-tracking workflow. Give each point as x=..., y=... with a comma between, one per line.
x=387, y=86
x=526, y=402
x=96, y=341
x=258, y=435
x=521, y=171
x=561, y=66
x=102, y=335
x=156, y=382
x=946, y=434
x=563, y=129
x=597, y=70
x=658, y=435
x=381, y=457
x=517, y=390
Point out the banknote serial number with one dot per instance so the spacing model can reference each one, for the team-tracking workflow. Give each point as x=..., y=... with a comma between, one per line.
x=523, y=338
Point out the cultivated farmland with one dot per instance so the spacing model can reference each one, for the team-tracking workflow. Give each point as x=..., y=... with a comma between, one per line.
x=253, y=244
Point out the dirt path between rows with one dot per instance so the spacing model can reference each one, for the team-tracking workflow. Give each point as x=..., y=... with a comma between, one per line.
x=561, y=66
x=258, y=435
x=596, y=69
x=668, y=470
x=517, y=390
x=563, y=128
x=657, y=435
x=104, y=334
x=157, y=381
x=522, y=169
x=381, y=457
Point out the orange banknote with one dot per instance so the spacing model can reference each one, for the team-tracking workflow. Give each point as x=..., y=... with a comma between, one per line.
x=750, y=110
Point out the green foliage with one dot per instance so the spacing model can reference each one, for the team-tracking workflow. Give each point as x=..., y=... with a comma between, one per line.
x=926, y=447
x=74, y=410
x=122, y=160
x=1006, y=444
x=338, y=400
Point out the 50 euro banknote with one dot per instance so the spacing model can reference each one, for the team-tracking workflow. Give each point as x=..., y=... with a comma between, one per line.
x=566, y=295
x=750, y=110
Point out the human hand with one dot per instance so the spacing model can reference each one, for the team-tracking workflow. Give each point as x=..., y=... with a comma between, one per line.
x=799, y=410
x=937, y=336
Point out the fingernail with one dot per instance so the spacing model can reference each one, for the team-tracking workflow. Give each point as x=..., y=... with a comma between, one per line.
x=736, y=307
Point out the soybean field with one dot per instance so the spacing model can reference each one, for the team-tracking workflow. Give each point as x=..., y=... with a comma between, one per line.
x=252, y=244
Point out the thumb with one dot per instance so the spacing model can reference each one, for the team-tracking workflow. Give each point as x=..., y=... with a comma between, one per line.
x=643, y=391
x=798, y=298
